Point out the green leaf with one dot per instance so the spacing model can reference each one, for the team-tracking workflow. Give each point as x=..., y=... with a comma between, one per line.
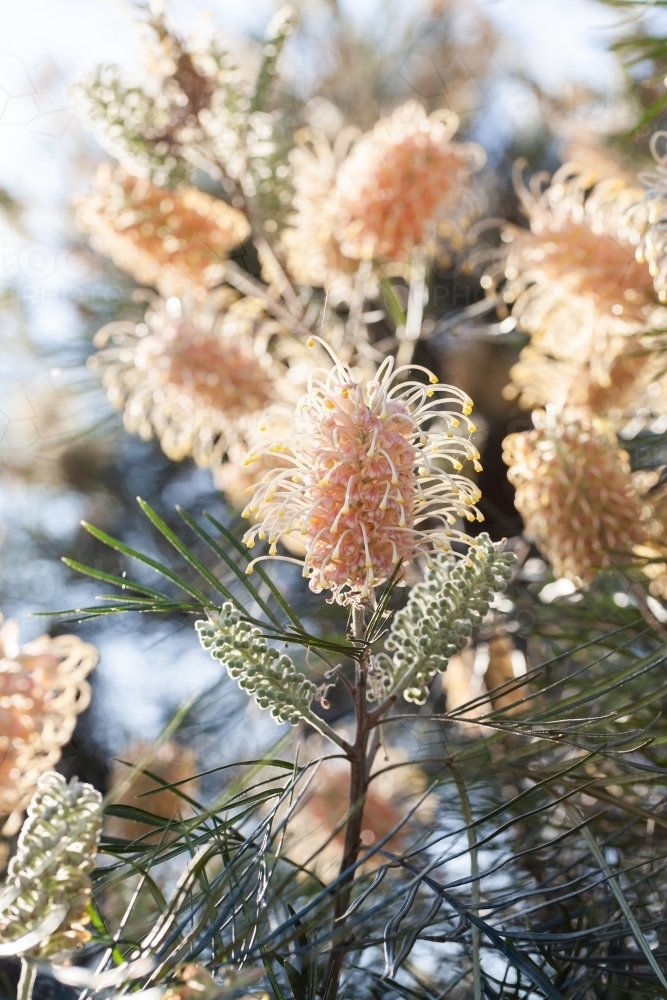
x=261, y=573
x=118, y=546
x=185, y=552
x=239, y=573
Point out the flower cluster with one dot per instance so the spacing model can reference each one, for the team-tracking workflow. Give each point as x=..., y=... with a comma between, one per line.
x=259, y=669
x=403, y=186
x=402, y=182
x=172, y=240
x=196, y=375
x=366, y=477
x=578, y=282
x=440, y=615
x=42, y=690
x=150, y=133
x=575, y=493
x=48, y=885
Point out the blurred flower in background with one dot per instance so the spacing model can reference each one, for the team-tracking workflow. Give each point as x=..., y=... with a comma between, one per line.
x=43, y=688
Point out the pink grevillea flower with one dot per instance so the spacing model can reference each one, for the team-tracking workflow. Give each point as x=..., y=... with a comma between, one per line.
x=405, y=184
x=367, y=477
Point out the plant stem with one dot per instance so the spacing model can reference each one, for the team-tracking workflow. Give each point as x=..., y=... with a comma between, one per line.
x=26, y=980
x=358, y=787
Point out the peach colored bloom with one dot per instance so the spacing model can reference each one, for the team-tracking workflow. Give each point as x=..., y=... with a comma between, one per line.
x=575, y=493
x=404, y=184
x=42, y=690
x=366, y=470
x=196, y=376
x=172, y=240
x=577, y=280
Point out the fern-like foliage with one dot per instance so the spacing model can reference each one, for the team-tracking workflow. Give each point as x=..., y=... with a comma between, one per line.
x=441, y=614
x=259, y=669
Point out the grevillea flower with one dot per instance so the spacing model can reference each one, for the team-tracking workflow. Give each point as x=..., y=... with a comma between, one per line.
x=48, y=880
x=196, y=376
x=42, y=690
x=575, y=493
x=577, y=280
x=367, y=480
x=169, y=239
x=405, y=184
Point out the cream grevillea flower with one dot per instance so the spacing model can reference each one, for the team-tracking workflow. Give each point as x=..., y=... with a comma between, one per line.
x=575, y=493
x=196, y=376
x=577, y=280
x=377, y=196
x=43, y=688
x=169, y=239
x=405, y=184
x=367, y=478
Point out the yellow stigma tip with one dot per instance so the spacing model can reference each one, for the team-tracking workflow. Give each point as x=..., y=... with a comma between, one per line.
x=249, y=570
x=429, y=392
x=310, y=342
x=457, y=465
x=472, y=428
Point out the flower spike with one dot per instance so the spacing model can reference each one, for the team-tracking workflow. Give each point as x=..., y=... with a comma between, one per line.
x=365, y=481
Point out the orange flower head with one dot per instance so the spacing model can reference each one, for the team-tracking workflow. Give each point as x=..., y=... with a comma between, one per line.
x=367, y=469
x=172, y=240
x=42, y=690
x=197, y=376
x=400, y=181
x=575, y=493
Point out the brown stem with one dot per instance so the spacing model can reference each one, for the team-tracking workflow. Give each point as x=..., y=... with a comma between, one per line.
x=352, y=845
